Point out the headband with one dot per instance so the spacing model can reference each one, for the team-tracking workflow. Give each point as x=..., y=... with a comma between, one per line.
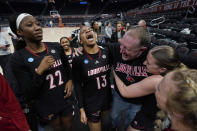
x=20, y=18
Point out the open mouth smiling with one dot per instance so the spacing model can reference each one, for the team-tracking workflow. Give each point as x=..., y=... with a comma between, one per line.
x=90, y=37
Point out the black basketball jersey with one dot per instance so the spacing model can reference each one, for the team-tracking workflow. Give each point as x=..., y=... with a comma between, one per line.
x=49, y=87
x=149, y=107
x=129, y=72
x=91, y=80
x=70, y=58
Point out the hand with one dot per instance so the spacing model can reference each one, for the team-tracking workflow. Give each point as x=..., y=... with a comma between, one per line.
x=45, y=64
x=83, y=117
x=2, y=46
x=68, y=89
x=119, y=40
x=78, y=51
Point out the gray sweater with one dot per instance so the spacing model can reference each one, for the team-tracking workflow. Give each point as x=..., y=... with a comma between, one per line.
x=4, y=42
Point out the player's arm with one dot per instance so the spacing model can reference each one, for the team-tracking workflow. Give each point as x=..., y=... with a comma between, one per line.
x=68, y=86
x=77, y=80
x=65, y=62
x=142, y=88
x=29, y=83
x=114, y=50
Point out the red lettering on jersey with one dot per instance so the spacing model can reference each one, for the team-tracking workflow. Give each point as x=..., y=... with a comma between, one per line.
x=144, y=71
x=131, y=70
x=117, y=67
x=123, y=68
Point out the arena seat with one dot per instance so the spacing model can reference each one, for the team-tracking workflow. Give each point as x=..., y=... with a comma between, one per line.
x=153, y=39
x=164, y=42
x=152, y=45
x=191, y=37
x=191, y=59
x=173, y=44
x=194, y=28
x=182, y=51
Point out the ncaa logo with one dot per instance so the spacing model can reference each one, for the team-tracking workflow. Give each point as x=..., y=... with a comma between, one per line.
x=86, y=61
x=30, y=59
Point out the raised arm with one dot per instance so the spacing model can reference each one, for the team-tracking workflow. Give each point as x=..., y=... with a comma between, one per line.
x=142, y=88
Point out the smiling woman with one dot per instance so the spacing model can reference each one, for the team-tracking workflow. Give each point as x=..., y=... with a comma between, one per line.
x=91, y=73
x=43, y=73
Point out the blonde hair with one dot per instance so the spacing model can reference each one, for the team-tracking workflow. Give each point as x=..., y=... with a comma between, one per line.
x=159, y=123
x=183, y=100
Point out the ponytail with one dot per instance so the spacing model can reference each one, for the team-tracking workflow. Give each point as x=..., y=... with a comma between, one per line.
x=18, y=43
x=162, y=121
x=181, y=66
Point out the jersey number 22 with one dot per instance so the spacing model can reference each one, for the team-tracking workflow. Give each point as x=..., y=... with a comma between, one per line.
x=51, y=78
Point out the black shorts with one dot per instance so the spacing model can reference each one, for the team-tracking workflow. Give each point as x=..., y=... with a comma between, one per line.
x=142, y=122
x=96, y=116
x=66, y=111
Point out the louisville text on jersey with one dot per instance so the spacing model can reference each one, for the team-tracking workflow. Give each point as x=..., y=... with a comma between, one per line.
x=98, y=70
x=56, y=64
x=131, y=70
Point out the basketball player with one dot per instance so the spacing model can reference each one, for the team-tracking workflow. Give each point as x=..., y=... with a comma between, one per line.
x=128, y=58
x=65, y=43
x=91, y=73
x=43, y=73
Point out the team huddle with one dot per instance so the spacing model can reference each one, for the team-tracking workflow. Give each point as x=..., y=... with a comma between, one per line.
x=152, y=90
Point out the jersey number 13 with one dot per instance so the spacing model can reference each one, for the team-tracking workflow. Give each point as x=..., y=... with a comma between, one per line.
x=101, y=81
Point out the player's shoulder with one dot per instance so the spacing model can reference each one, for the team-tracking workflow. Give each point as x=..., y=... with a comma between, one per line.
x=78, y=58
x=52, y=44
x=154, y=78
x=54, y=47
x=17, y=58
x=19, y=53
